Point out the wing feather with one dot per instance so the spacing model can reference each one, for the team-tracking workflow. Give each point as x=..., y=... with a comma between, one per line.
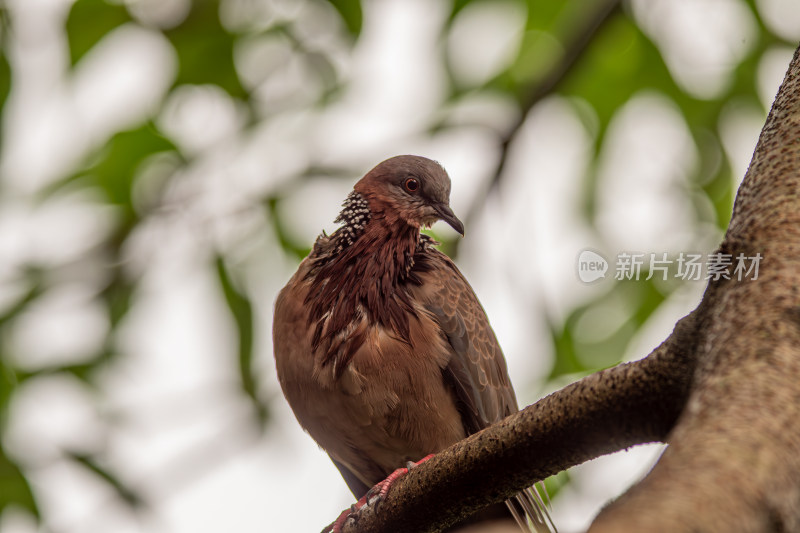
x=476, y=370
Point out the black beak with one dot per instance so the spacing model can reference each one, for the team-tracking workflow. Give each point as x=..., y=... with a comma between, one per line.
x=446, y=214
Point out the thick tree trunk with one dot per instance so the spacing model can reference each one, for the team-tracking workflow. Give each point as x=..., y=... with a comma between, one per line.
x=733, y=461
x=723, y=391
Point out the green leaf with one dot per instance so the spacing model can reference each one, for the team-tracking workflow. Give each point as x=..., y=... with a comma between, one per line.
x=14, y=487
x=89, y=21
x=350, y=11
x=547, y=15
x=574, y=356
x=287, y=244
x=8, y=384
x=126, y=493
x=5, y=68
x=242, y=312
x=458, y=6
x=205, y=50
x=35, y=289
x=5, y=80
x=118, y=295
x=611, y=70
x=115, y=168
x=555, y=483
x=8, y=377
x=566, y=360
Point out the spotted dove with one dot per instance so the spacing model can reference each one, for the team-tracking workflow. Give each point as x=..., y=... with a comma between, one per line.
x=382, y=348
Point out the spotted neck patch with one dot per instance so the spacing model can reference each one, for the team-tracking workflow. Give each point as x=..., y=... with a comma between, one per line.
x=354, y=217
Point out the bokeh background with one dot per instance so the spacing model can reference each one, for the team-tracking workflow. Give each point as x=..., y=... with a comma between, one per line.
x=165, y=165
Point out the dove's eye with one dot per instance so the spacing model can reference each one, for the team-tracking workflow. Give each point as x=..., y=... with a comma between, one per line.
x=412, y=185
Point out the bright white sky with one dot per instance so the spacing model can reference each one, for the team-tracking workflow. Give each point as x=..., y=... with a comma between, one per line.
x=179, y=435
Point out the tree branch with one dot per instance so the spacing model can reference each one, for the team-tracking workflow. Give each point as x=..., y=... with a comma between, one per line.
x=602, y=413
x=733, y=463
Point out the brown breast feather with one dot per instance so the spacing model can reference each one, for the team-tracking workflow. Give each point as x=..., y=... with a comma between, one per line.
x=395, y=400
x=388, y=406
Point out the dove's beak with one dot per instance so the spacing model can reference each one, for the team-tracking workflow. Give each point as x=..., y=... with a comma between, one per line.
x=446, y=214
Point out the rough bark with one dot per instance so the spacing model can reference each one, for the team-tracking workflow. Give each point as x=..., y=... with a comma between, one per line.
x=723, y=390
x=733, y=461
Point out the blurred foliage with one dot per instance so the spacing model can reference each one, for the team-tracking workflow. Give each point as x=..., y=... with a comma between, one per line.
x=114, y=168
x=89, y=21
x=14, y=487
x=5, y=69
x=205, y=49
x=594, y=53
x=350, y=10
x=242, y=311
x=126, y=494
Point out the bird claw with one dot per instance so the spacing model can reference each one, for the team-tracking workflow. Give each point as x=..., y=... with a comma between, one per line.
x=383, y=487
x=374, y=496
x=343, y=517
x=352, y=511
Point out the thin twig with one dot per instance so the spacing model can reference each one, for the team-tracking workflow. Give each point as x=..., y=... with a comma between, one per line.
x=573, y=50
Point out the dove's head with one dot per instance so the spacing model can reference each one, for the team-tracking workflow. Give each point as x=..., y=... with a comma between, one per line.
x=410, y=188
